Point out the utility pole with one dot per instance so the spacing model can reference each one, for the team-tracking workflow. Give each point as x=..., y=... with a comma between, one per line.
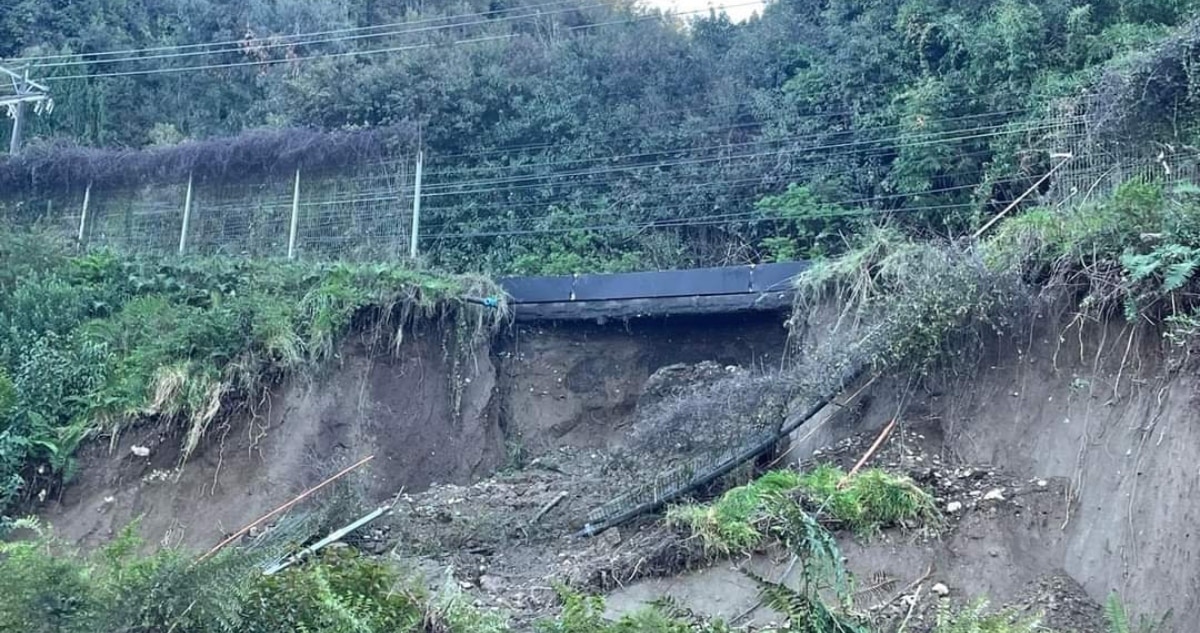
x=416, y=222
x=25, y=91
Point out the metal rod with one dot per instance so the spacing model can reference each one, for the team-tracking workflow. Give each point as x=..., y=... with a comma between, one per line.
x=87, y=197
x=416, y=221
x=333, y=537
x=187, y=216
x=307, y=493
x=295, y=217
x=1014, y=203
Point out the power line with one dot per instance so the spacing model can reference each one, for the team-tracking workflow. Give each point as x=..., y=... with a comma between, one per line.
x=851, y=202
x=861, y=153
x=780, y=139
x=438, y=191
x=685, y=223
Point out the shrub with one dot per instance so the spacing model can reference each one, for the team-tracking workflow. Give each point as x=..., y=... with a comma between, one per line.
x=733, y=523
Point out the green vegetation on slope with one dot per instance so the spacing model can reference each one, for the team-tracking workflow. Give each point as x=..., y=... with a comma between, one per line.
x=588, y=137
x=91, y=343
x=49, y=589
x=743, y=518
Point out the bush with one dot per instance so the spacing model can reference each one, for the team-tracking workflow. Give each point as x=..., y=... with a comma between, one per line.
x=1135, y=254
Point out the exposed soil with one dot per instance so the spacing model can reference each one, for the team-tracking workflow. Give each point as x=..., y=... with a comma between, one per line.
x=1064, y=461
x=398, y=408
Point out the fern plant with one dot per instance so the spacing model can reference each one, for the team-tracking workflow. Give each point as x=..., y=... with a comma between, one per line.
x=1119, y=621
x=975, y=618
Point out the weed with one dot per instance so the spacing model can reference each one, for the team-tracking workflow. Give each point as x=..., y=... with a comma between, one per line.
x=909, y=300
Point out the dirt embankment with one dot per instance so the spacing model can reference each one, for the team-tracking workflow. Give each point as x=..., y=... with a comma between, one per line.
x=1085, y=437
x=536, y=388
x=1084, y=432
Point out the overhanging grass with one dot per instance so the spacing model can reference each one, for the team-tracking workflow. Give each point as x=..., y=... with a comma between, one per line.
x=92, y=343
x=734, y=522
x=870, y=500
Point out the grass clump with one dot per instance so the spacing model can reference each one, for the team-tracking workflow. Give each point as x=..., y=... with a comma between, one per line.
x=92, y=343
x=870, y=500
x=1119, y=620
x=585, y=614
x=735, y=522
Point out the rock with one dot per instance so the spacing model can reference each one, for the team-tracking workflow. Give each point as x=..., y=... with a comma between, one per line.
x=140, y=451
x=941, y=590
x=491, y=584
x=953, y=507
x=995, y=494
x=611, y=537
x=1042, y=483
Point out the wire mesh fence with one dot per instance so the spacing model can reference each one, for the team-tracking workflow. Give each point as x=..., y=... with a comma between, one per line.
x=1098, y=164
x=366, y=215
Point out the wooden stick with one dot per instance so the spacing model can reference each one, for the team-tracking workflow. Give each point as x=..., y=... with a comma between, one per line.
x=546, y=508
x=883, y=435
x=307, y=493
x=1011, y=206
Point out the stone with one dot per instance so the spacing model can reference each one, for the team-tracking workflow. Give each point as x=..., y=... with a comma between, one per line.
x=491, y=584
x=953, y=507
x=941, y=590
x=995, y=494
x=140, y=451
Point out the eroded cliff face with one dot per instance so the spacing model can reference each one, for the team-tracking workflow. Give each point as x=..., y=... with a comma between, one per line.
x=426, y=419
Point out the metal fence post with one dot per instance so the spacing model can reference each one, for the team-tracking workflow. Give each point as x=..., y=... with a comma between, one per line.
x=295, y=217
x=416, y=221
x=187, y=216
x=87, y=197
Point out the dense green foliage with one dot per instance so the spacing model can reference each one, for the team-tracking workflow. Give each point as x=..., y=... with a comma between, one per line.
x=91, y=343
x=560, y=135
x=743, y=518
